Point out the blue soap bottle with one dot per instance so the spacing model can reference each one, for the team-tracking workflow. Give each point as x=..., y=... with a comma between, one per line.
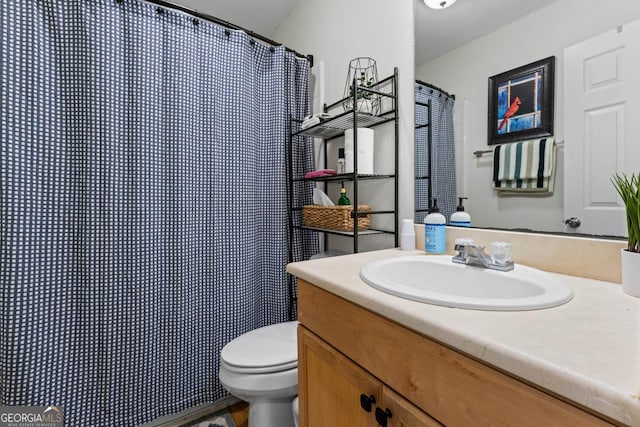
x=435, y=229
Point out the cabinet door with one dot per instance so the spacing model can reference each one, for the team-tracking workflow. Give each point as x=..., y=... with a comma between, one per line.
x=331, y=386
x=403, y=413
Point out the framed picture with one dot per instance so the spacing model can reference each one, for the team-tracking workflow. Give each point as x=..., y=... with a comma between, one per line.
x=521, y=103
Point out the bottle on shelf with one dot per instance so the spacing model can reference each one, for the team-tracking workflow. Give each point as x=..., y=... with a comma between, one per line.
x=343, y=200
x=340, y=165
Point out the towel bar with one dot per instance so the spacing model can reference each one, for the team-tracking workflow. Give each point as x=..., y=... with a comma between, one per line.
x=480, y=153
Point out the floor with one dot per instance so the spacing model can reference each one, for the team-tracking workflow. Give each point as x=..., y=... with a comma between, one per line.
x=238, y=413
x=229, y=408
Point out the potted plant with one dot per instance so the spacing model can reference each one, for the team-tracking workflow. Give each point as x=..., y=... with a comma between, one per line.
x=629, y=190
x=362, y=75
x=363, y=97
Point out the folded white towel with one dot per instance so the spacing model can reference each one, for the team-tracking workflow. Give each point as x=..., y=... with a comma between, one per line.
x=310, y=121
x=315, y=119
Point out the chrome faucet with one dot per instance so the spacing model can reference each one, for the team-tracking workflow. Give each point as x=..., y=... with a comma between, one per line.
x=469, y=253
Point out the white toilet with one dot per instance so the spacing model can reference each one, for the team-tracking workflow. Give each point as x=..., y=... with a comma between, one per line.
x=296, y=410
x=261, y=367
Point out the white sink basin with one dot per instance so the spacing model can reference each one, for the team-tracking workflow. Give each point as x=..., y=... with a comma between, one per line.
x=437, y=280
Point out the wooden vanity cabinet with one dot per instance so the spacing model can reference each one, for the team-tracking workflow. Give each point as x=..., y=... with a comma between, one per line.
x=346, y=352
x=336, y=392
x=403, y=413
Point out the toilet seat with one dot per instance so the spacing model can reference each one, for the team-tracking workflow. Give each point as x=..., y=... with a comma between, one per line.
x=264, y=350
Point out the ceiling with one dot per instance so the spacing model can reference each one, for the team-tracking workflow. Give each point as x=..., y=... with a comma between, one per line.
x=260, y=16
x=437, y=31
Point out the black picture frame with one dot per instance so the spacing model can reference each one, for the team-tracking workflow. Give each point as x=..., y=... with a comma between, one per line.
x=535, y=84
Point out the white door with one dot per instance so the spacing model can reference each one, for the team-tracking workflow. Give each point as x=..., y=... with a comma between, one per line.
x=602, y=126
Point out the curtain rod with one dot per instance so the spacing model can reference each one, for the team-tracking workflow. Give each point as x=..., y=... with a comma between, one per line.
x=429, y=85
x=226, y=24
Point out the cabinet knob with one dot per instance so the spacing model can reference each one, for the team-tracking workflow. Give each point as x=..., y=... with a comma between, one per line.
x=367, y=402
x=382, y=416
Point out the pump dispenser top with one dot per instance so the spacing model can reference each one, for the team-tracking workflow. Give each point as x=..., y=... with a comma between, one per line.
x=460, y=218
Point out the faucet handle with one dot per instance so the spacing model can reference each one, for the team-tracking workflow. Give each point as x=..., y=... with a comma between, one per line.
x=462, y=242
x=501, y=253
x=460, y=246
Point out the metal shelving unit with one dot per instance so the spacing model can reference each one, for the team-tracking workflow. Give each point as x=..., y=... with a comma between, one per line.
x=344, y=177
x=334, y=128
x=366, y=232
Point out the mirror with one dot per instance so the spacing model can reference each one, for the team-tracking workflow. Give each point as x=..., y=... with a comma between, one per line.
x=464, y=70
x=434, y=152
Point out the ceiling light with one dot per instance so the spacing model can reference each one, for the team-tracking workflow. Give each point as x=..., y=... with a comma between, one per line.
x=439, y=4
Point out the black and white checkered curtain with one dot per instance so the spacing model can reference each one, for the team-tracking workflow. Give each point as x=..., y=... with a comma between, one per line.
x=443, y=179
x=144, y=206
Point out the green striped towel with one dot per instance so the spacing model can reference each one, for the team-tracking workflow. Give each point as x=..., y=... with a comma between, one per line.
x=525, y=167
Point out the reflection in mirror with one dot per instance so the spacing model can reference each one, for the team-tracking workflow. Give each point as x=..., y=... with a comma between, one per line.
x=599, y=140
x=435, y=165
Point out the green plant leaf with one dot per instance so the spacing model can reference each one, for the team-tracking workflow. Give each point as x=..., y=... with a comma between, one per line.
x=629, y=191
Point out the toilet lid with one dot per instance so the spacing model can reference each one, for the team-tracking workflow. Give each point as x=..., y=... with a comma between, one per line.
x=268, y=349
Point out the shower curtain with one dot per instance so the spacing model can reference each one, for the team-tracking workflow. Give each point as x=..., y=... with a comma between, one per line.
x=443, y=165
x=144, y=205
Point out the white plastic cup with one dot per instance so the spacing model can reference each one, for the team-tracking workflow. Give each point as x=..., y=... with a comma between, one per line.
x=407, y=236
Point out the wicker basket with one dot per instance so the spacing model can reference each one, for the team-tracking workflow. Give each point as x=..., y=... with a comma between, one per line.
x=334, y=217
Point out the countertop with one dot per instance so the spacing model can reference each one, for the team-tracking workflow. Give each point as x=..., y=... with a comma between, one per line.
x=587, y=350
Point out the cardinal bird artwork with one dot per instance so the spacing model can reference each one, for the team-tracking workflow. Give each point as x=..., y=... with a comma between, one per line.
x=521, y=103
x=513, y=108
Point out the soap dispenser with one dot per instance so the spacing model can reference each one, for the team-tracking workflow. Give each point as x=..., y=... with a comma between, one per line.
x=460, y=218
x=435, y=228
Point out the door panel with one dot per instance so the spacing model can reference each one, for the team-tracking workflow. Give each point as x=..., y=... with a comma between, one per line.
x=601, y=108
x=604, y=150
x=332, y=385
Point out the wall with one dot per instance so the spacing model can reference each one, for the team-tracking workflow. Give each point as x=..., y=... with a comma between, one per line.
x=336, y=31
x=592, y=258
x=465, y=71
